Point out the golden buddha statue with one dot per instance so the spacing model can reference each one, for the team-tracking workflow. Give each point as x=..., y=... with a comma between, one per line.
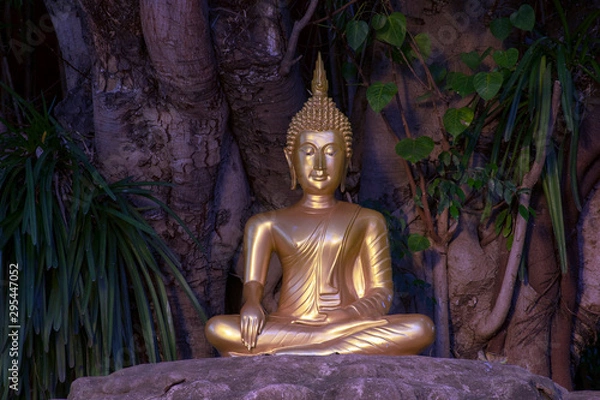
x=337, y=279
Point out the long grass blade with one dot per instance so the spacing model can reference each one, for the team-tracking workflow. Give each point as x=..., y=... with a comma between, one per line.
x=567, y=96
x=142, y=304
x=29, y=216
x=553, y=193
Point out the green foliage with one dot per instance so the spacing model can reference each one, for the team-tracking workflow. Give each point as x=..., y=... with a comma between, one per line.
x=460, y=83
x=501, y=28
x=356, y=33
x=448, y=193
x=513, y=93
x=471, y=60
x=415, y=150
x=423, y=42
x=380, y=94
x=402, y=243
x=506, y=59
x=487, y=84
x=523, y=18
x=418, y=242
x=393, y=30
x=457, y=120
x=92, y=297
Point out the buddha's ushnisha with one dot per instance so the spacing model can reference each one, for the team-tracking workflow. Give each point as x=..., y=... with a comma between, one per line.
x=337, y=282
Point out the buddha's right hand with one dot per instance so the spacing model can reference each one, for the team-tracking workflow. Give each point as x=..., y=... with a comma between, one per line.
x=252, y=321
x=252, y=315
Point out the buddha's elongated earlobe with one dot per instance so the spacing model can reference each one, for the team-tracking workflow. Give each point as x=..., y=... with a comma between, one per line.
x=288, y=157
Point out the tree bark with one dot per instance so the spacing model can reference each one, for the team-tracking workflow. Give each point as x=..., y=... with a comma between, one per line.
x=250, y=40
x=160, y=115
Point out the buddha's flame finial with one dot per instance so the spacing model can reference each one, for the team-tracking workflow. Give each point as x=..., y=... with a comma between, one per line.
x=319, y=82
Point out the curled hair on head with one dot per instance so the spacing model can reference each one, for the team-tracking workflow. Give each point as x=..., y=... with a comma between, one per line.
x=319, y=114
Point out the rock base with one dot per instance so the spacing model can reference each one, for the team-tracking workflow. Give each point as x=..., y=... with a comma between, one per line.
x=334, y=377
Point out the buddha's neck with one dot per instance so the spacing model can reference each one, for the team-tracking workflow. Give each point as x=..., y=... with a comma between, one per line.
x=317, y=202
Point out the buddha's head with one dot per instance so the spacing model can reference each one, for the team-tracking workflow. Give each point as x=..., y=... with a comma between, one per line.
x=319, y=141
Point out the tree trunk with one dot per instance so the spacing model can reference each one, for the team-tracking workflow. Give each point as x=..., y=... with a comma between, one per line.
x=192, y=93
x=250, y=40
x=160, y=115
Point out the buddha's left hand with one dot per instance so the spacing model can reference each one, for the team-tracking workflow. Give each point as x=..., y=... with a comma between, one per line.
x=342, y=315
x=331, y=317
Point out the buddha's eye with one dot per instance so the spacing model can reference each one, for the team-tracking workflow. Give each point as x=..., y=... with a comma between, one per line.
x=330, y=151
x=308, y=150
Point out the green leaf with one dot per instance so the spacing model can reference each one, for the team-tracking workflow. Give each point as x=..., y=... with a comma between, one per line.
x=471, y=60
x=423, y=42
x=414, y=150
x=501, y=28
x=394, y=30
x=461, y=83
x=378, y=21
x=507, y=229
x=356, y=33
x=524, y=212
x=457, y=120
x=418, y=242
x=506, y=59
x=454, y=213
x=500, y=220
x=380, y=94
x=523, y=18
x=438, y=72
x=487, y=84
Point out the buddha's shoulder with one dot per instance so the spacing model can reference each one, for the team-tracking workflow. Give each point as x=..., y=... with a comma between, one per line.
x=368, y=215
x=262, y=219
x=363, y=215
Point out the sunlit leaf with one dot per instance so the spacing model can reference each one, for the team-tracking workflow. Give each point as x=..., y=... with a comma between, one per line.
x=418, y=242
x=414, y=150
x=380, y=94
x=423, y=42
x=487, y=84
x=506, y=59
x=457, y=120
x=394, y=30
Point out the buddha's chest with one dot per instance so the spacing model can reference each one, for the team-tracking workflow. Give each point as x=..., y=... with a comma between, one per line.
x=310, y=234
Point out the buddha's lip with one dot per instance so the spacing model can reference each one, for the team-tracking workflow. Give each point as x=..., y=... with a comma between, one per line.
x=318, y=178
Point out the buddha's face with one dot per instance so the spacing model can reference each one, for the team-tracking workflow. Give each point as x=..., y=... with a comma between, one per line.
x=319, y=161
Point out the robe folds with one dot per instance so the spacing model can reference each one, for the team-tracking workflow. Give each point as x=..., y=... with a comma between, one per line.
x=342, y=263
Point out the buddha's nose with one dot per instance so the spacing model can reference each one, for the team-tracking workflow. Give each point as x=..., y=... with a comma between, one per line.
x=320, y=164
